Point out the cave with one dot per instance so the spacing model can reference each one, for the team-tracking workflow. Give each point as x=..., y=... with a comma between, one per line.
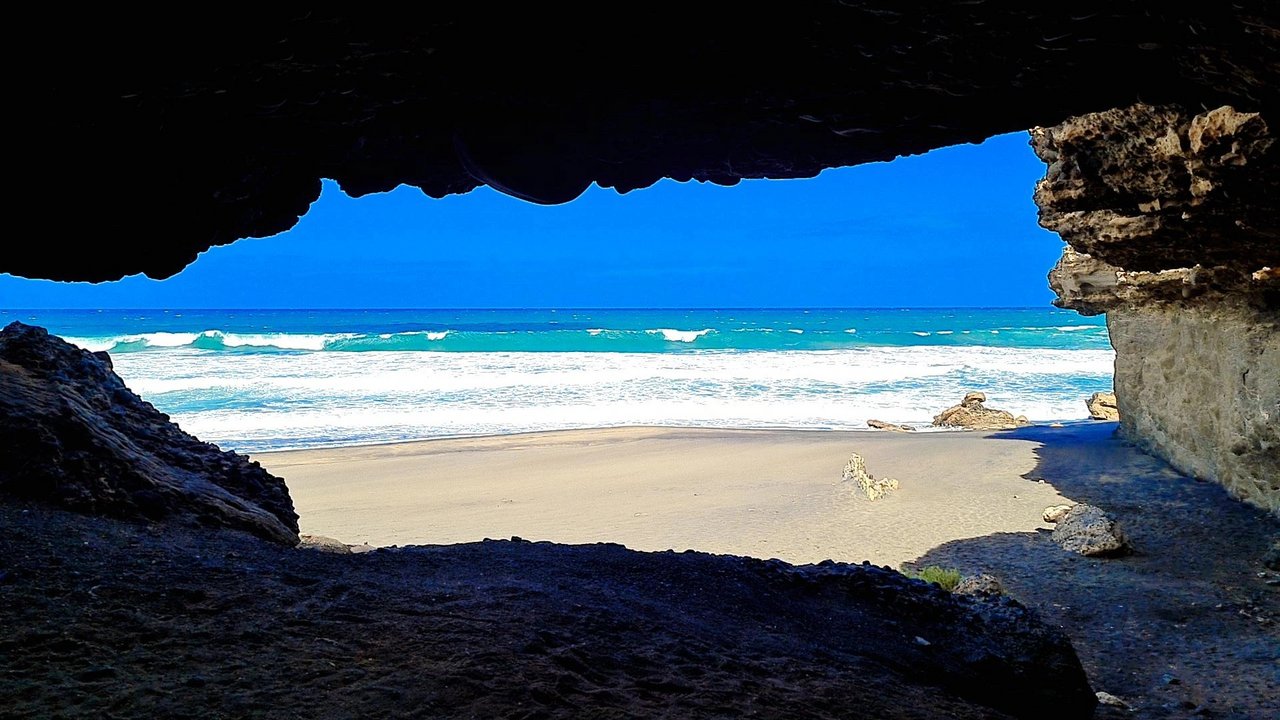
x=183, y=132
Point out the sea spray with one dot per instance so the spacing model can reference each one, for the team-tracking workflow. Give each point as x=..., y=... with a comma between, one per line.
x=254, y=380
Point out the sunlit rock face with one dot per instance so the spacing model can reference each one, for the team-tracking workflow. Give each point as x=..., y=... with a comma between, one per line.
x=1201, y=387
x=1172, y=224
x=136, y=149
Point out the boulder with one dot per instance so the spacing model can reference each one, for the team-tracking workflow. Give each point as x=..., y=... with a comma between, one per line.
x=1055, y=513
x=320, y=543
x=72, y=434
x=856, y=471
x=1271, y=559
x=882, y=425
x=1089, y=531
x=972, y=414
x=1102, y=406
x=981, y=584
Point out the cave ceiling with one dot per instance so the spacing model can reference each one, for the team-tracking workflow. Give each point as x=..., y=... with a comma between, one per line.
x=138, y=140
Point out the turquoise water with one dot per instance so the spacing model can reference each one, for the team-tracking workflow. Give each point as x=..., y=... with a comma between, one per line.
x=254, y=380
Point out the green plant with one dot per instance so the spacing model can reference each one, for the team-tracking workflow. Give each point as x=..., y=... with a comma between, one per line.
x=945, y=578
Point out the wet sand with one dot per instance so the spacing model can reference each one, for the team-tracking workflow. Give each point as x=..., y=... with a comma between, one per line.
x=760, y=493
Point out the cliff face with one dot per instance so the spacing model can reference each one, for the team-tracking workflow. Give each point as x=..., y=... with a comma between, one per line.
x=1201, y=387
x=1172, y=227
x=72, y=434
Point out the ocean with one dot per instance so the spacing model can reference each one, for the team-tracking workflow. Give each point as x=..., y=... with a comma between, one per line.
x=254, y=380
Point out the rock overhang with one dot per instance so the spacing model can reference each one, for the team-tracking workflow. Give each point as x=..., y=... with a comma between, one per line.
x=220, y=127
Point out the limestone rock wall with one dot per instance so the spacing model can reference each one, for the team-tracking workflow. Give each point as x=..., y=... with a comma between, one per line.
x=1200, y=386
x=1171, y=220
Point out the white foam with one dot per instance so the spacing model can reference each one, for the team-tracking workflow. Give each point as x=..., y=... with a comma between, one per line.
x=92, y=344
x=852, y=331
x=686, y=336
x=921, y=333
x=946, y=332
x=163, y=339
x=256, y=400
x=594, y=331
x=284, y=341
x=797, y=331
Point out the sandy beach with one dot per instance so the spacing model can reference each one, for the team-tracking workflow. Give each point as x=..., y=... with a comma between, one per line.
x=760, y=493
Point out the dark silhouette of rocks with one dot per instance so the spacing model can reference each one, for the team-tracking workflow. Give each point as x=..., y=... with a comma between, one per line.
x=72, y=434
x=103, y=618
x=229, y=135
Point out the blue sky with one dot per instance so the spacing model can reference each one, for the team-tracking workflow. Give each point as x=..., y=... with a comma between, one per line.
x=955, y=227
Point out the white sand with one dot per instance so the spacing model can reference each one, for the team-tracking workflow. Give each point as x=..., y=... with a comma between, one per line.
x=763, y=493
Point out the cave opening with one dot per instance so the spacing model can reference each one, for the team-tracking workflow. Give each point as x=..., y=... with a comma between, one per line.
x=867, y=294
x=1167, y=205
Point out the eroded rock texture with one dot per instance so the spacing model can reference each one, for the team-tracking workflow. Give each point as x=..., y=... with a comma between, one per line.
x=972, y=414
x=1173, y=230
x=72, y=434
x=139, y=148
x=1200, y=387
x=186, y=624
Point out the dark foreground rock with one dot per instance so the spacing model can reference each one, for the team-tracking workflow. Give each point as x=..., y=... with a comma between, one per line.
x=108, y=618
x=972, y=414
x=1192, y=604
x=72, y=434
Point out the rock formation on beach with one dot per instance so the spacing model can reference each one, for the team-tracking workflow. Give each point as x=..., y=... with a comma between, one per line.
x=1090, y=531
x=972, y=414
x=882, y=425
x=1171, y=219
x=874, y=488
x=1102, y=406
x=72, y=434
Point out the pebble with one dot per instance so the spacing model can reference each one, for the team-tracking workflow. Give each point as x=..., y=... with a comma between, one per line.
x=1106, y=698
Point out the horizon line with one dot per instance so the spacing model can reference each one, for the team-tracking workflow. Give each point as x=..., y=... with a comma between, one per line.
x=529, y=308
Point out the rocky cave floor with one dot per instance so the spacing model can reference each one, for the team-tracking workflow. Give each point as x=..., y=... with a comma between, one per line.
x=1187, y=626
x=104, y=618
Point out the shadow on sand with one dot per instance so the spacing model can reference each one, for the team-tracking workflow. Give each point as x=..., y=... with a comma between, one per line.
x=1184, y=627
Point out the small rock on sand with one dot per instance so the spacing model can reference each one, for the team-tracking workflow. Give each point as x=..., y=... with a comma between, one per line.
x=1054, y=513
x=882, y=425
x=856, y=470
x=320, y=543
x=1102, y=406
x=1106, y=698
x=1088, y=530
x=982, y=584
